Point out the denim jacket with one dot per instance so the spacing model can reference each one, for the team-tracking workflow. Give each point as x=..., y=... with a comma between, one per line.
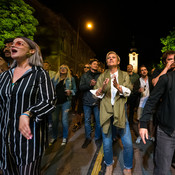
x=70, y=85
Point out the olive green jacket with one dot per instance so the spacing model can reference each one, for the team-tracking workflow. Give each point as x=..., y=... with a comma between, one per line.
x=106, y=108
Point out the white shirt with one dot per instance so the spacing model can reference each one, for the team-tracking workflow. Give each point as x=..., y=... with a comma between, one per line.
x=145, y=94
x=126, y=91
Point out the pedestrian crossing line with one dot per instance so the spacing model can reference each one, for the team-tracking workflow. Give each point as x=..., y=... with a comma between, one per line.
x=97, y=165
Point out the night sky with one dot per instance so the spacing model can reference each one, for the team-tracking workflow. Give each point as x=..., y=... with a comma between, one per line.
x=116, y=23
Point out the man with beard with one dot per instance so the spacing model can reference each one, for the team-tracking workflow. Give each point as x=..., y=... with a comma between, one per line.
x=3, y=65
x=132, y=98
x=7, y=54
x=142, y=88
x=163, y=93
x=87, y=82
x=168, y=61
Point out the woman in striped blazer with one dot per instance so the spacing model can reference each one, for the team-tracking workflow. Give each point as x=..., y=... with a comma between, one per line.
x=26, y=98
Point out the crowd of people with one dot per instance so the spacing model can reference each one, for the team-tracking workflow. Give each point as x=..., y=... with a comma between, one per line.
x=32, y=97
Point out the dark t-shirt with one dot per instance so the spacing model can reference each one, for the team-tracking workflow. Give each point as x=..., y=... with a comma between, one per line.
x=60, y=92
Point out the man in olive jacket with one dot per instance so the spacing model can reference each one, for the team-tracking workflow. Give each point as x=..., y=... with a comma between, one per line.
x=113, y=87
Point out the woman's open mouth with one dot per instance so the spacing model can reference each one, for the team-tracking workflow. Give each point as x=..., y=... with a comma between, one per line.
x=13, y=50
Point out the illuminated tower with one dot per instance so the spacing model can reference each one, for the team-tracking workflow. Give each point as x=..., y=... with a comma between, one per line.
x=133, y=56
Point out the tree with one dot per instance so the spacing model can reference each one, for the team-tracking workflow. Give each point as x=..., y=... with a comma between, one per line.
x=16, y=19
x=168, y=42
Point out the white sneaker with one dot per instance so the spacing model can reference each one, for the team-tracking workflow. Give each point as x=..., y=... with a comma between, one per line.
x=52, y=141
x=64, y=142
x=152, y=139
x=138, y=139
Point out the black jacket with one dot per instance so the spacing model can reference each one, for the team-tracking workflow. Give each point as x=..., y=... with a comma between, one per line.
x=85, y=87
x=165, y=90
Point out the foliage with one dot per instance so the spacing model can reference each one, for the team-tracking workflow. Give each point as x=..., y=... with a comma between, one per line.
x=16, y=20
x=160, y=65
x=168, y=44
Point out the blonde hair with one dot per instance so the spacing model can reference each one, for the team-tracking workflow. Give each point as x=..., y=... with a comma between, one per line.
x=34, y=59
x=112, y=52
x=58, y=75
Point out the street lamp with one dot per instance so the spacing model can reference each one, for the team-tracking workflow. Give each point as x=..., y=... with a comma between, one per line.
x=89, y=25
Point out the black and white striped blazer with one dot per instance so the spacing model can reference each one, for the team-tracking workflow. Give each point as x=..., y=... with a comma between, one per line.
x=32, y=92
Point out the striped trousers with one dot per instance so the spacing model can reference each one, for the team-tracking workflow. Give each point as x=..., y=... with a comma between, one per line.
x=32, y=168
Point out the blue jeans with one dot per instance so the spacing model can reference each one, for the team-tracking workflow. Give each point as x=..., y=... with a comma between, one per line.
x=87, y=116
x=126, y=139
x=64, y=109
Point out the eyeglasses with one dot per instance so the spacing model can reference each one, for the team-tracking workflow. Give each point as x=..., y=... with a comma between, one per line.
x=86, y=67
x=18, y=44
x=63, y=67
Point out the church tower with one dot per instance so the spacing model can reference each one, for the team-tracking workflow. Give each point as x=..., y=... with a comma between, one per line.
x=133, y=56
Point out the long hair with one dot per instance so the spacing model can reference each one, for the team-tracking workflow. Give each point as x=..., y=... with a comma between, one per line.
x=68, y=76
x=34, y=59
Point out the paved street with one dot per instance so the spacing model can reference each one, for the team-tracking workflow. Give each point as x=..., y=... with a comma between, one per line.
x=73, y=160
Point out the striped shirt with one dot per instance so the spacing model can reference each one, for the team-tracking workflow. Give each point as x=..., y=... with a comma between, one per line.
x=32, y=92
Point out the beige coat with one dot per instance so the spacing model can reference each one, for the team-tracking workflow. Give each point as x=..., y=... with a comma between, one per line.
x=106, y=108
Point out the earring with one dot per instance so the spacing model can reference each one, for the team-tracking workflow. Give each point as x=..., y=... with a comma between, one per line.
x=28, y=54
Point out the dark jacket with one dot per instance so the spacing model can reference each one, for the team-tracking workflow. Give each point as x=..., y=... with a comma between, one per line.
x=85, y=87
x=136, y=88
x=165, y=90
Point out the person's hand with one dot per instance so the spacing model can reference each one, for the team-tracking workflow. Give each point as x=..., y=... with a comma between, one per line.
x=141, y=90
x=143, y=134
x=24, y=126
x=105, y=83
x=93, y=82
x=170, y=64
x=102, y=89
x=117, y=86
x=68, y=92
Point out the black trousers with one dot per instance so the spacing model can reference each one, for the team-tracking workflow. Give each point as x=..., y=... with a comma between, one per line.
x=32, y=168
x=165, y=147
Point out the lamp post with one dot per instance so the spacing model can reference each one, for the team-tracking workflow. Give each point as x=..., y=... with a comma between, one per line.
x=89, y=26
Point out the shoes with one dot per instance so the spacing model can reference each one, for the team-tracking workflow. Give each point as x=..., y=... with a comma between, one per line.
x=50, y=125
x=152, y=139
x=138, y=140
x=86, y=143
x=52, y=141
x=109, y=170
x=127, y=172
x=64, y=142
x=173, y=165
x=76, y=127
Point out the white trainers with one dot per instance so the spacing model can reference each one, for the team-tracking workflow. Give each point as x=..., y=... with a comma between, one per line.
x=152, y=139
x=64, y=142
x=138, y=139
x=52, y=141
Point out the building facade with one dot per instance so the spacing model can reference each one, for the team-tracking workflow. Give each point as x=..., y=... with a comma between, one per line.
x=58, y=40
x=133, y=60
